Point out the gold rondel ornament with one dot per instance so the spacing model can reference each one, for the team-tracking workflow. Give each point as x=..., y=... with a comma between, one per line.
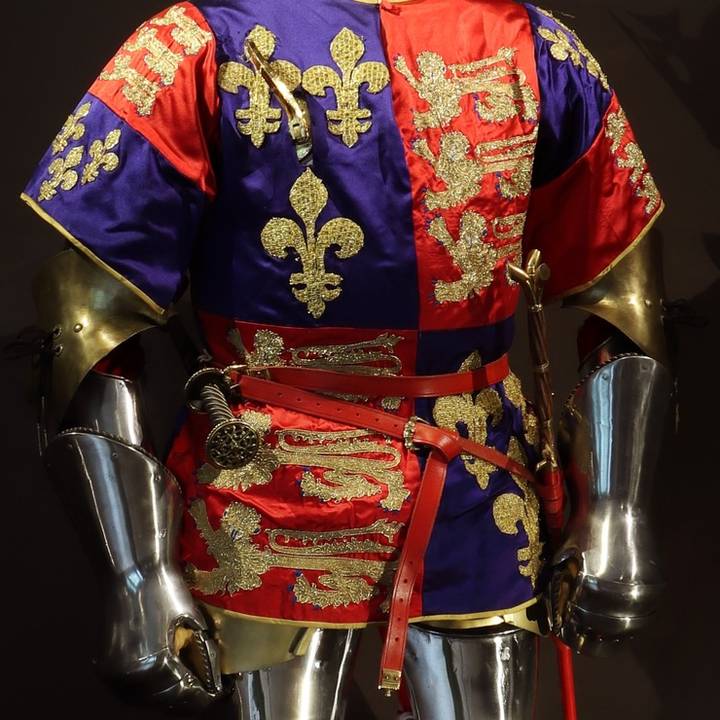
x=232, y=442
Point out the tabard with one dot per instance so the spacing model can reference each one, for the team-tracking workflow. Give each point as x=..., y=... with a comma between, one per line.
x=449, y=137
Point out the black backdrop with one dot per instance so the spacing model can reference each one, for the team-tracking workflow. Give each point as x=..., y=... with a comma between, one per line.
x=662, y=58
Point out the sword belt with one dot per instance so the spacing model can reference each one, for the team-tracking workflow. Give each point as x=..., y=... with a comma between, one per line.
x=297, y=389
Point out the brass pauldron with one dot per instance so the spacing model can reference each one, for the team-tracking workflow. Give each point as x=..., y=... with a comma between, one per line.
x=89, y=313
x=630, y=297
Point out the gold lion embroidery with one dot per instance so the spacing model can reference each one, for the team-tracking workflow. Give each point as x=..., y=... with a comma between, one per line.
x=347, y=120
x=472, y=254
x=259, y=118
x=157, y=56
x=568, y=46
x=241, y=563
x=314, y=286
x=631, y=157
x=338, y=465
x=366, y=357
x=462, y=168
x=442, y=87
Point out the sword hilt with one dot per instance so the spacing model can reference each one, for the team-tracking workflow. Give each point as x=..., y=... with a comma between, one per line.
x=231, y=443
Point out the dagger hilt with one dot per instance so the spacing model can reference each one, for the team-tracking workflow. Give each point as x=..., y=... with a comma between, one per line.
x=231, y=442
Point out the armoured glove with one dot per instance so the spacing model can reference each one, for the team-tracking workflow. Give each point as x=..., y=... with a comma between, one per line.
x=155, y=644
x=606, y=584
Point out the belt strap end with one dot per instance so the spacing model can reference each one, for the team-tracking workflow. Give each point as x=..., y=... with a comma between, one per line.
x=390, y=680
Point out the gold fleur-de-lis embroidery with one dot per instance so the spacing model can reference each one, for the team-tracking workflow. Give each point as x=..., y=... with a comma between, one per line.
x=241, y=563
x=563, y=49
x=259, y=118
x=472, y=254
x=348, y=120
x=472, y=415
x=510, y=509
x=314, y=286
x=72, y=130
x=62, y=174
x=101, y=157
x=631, y=157
x=442, y=87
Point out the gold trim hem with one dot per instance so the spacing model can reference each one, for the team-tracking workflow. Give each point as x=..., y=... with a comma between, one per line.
x=348, y=626
x=646, y=229
x=50, y=220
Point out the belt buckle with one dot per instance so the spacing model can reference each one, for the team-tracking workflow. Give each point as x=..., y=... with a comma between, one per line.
x=409, y=432
x=231, y=371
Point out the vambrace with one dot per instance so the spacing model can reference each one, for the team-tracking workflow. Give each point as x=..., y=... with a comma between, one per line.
x=611, y=433
x=154, y=642
x=128, y=506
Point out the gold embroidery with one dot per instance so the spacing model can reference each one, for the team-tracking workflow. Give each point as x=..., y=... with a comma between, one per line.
x=615, y=127
x=649, y=191
x=186, y=31
x=346, y=475
x=241, y=563
x=510, y=509
x=472, y=254
x=62, y=174
x=138, y=89
x=496, y=100
x=463, y=175
x=367, y=357
x=159, y=57
x=101, y=157
x=631, y=157
x=259, y=118
x=314, y=286
x=458, y=412
x=562, y=49
x=509, y=227
x=341, y=457
x=342, y=541
x=258, y=471
x=72, y=130
x=514, y=393
x=348, y=120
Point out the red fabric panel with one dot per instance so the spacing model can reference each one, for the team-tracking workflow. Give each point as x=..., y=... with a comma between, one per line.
x=584, y=220
x=469, y=32
x=170, y=99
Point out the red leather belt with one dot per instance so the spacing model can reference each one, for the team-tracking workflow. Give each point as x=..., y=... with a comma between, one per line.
x=444, y=446
x=411, y=386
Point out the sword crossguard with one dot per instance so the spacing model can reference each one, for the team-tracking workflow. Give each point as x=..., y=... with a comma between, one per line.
x=531, y=278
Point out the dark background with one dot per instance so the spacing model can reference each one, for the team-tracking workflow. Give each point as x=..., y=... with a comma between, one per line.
x=661, y=55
